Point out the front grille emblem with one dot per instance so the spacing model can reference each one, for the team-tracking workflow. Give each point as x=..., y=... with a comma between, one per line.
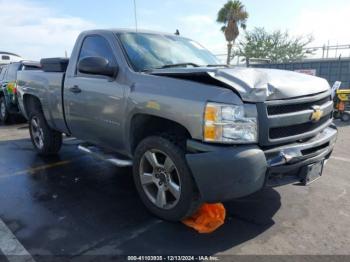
x=317, y=114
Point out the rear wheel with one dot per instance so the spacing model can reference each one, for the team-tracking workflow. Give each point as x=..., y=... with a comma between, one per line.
x=163, y=179
x=336, y=114
x=45, y=140
x=345, y=117
x=4, y=114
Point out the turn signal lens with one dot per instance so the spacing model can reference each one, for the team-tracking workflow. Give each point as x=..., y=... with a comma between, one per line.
x=211, y=132
x=211, y=113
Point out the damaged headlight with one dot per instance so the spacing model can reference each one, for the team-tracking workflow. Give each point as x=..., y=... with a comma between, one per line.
x=232, y=124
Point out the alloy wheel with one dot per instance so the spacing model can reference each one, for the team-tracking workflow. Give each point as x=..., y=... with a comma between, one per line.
x=160, y=179
x=2, y=109
x=37, y=132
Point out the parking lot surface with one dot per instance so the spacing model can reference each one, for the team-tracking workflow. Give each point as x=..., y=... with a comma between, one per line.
x=74, y=205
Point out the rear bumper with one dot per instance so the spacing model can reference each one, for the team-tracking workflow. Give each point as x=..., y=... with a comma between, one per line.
x=224, y=173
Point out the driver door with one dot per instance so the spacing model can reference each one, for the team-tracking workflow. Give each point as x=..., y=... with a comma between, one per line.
x=94, y=103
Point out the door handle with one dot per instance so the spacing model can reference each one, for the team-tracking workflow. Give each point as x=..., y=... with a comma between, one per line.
x=75, y=89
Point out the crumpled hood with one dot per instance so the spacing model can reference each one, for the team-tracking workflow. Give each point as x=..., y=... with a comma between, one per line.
x=258, y=85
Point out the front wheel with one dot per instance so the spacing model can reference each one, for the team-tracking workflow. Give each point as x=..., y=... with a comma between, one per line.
x=163, y=179
x=45, y=140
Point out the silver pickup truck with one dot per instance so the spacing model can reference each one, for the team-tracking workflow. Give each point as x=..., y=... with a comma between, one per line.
x=193, y=130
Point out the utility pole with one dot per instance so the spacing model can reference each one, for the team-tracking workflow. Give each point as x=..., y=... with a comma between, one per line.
x=323, y=49
x=336, y=50
x=135, y=14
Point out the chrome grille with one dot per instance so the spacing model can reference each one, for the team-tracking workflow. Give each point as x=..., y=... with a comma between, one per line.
x=285, y=131
x=286, y=121
x=284, y=109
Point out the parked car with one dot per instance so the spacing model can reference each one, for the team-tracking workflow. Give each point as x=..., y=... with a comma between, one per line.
x=8, y=91
x=3, y=71
x=193, y=130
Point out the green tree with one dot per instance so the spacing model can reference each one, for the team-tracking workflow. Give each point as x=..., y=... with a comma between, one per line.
x=277, y=46
x=233, y=15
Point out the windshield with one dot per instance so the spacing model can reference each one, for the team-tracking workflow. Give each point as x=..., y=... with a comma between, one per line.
x=147, y=51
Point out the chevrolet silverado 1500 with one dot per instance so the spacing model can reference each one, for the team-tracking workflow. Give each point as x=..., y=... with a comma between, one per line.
x=193, y=130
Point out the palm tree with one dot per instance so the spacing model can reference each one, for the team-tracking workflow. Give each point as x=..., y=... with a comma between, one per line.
x=233, y=15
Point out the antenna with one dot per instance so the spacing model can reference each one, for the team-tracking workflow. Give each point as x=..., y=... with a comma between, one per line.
x=135, y=14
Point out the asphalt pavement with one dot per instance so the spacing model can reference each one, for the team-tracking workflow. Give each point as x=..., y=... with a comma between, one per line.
x=76, y=206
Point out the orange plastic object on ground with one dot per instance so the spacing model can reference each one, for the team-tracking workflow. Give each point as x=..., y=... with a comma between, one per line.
x=207, y=218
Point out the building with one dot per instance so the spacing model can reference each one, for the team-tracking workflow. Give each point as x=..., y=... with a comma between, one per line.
x=337, y=69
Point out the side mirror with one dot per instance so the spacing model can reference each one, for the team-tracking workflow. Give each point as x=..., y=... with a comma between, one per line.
x=96, y=65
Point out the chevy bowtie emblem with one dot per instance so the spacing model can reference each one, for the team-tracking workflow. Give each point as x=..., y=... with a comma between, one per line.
x=317, y=114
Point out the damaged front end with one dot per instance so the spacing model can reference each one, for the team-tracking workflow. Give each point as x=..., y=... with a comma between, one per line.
x=295, y=132
x=252, y=84
x=289, y=163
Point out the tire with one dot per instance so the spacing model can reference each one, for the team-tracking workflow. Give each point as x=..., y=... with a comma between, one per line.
x=4, y=114
x=45, y=140
x=168, y=173
x=336, y=114
x=345, y=117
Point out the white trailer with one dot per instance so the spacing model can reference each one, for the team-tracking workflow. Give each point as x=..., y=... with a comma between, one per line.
x=7, y=58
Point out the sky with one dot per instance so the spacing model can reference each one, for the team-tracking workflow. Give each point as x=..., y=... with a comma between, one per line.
x=47, y=28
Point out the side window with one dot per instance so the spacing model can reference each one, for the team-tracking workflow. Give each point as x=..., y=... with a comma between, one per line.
x=30, y=67
x=97, y=46
x=12, y=72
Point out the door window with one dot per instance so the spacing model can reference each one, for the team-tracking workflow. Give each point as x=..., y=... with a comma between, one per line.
x=97, y=46
x=12, y=72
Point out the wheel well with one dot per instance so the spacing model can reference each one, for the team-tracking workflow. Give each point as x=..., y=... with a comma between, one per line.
x=143, y=126
x=31, y=103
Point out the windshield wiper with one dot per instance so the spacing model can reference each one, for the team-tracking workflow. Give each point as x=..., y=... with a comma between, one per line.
x=147, y=70
x=217, y=65
x=177, y=65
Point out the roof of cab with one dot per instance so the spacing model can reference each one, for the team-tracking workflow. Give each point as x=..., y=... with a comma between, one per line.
x=125, y=30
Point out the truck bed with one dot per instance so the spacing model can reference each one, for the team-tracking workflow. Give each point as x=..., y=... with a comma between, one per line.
x=48, y=87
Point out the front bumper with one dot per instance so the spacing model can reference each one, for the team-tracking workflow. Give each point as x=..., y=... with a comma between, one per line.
x=223, y=173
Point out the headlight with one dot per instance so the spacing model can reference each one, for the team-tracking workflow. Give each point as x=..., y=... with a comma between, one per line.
x=230, y=123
